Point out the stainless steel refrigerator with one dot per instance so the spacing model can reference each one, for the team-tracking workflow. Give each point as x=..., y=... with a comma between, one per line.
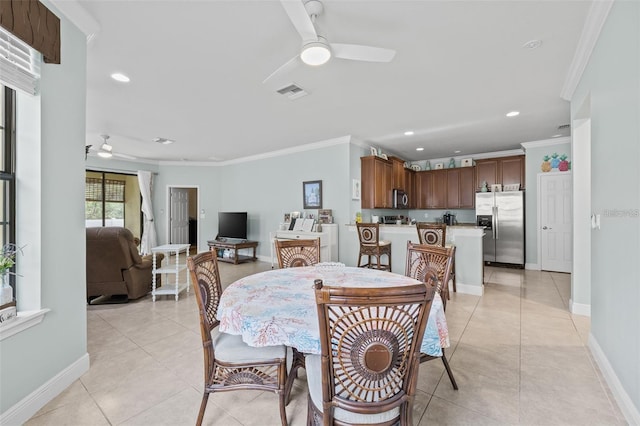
x=502, y=214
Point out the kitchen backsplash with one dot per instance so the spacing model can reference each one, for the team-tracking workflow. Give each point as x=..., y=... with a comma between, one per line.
x=462, y=215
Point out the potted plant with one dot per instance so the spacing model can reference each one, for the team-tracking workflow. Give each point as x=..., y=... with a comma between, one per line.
x=7, y=261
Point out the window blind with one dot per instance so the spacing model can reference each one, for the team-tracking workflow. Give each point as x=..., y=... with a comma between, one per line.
x=113, y=190
x=19, y=64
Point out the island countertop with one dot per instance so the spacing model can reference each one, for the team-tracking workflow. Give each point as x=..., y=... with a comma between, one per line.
x=467, y=238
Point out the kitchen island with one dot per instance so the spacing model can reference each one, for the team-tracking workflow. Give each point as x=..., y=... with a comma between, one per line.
x=466, y=238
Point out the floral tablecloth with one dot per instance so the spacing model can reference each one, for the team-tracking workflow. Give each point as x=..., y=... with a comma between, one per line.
x=278, y=307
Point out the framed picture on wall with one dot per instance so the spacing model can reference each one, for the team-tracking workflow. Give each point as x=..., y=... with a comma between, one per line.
x=355, y=189
x=312, y=194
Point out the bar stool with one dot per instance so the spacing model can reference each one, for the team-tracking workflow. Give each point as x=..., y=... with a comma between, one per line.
x=371, y=246
x=435, y=235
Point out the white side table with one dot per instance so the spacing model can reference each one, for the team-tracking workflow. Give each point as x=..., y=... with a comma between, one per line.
x=168, y=249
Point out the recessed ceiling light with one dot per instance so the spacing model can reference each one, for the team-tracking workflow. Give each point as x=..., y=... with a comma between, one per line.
x=556, y=136
x=120, y=77
x=163, y=141
x=419, y=149
x=409, y=133
x=532, y=44
x=513, y=113
x=456, y=152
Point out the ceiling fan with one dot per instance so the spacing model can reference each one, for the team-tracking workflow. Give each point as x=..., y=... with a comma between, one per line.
x=106, y=150
x=316, y=50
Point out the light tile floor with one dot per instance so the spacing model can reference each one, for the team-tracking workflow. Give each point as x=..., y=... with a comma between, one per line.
x=518, y=355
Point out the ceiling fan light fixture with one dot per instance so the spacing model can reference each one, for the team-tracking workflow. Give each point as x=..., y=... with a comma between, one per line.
x=104, y=154
x=315, y=53
x=106, y=147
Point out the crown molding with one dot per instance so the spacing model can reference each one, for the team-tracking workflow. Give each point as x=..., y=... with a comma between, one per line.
x=307, y=147
x=545, y=142
x=79, y=16
x=596, y=18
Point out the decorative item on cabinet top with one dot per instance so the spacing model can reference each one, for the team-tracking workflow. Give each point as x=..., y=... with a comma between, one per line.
x=439, y=166
x=416, y=167
x=466, y=162
x=555, y=161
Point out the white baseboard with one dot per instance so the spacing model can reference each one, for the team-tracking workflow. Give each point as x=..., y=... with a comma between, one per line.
x=579, y=308
x=631, y=412
x=263, y=258
x=532, y=266
x=28, y=406
x=476, y=290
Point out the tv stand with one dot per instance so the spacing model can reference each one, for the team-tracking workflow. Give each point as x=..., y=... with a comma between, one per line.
x=234, y=244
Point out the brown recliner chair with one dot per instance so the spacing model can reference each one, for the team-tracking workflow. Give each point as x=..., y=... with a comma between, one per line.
x=115, y=270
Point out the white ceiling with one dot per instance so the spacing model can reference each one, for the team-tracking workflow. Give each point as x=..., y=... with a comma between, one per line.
x=197, y=67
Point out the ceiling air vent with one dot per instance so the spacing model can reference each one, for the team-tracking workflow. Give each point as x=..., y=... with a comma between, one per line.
x=564, y=126
x=292, y=91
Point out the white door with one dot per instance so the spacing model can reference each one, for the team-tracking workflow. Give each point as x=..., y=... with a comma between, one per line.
x=555, y=222
x=179, y=216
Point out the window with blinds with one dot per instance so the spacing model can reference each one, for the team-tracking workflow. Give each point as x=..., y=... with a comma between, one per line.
x=113, y=190
x=104, y=201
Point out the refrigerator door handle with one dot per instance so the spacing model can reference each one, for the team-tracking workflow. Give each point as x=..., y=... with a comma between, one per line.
x=496, y=222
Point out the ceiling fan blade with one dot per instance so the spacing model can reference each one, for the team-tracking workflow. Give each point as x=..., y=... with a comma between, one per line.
x=285, y=68
x=129, y=157
x=358, y=52
x=300, y=19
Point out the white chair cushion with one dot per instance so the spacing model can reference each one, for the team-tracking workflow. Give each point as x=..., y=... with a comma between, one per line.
x=230, y=348
x=313, y=366
x=384, y=243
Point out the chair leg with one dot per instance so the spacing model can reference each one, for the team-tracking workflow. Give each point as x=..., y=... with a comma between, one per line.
x=449, y=372
x=282, y=397
x=297, y=362
x=453, y=272
x=203, y=406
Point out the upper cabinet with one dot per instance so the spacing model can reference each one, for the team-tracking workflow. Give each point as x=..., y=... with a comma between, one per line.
x=502, y=170
x=376, y=176
x=446, y=189
x=399, y=177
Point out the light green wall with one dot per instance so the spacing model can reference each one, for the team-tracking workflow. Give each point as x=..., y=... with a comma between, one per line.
x=265, y=188
x=32, y=357
x=612, y=82
x=533, y=161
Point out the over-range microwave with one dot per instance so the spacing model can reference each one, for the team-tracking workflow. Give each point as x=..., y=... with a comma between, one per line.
x=400, y=199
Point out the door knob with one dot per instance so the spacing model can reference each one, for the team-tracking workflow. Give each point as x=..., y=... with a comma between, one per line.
x=544, y=227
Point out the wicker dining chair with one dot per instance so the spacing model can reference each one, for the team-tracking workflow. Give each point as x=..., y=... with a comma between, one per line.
x=294, y=253
x=435, y=234
x=370, y=341
x=371, y=246
x=422, y=261
x=229, y=363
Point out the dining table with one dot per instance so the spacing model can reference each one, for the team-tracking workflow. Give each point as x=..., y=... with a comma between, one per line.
x=278, y=306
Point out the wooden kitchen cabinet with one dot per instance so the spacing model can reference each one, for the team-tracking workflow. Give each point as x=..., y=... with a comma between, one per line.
x=432, y=189
x=376, y=180
x=502, y=170
x=410, y=187
x=446, y=189
x=399, y=177
x=512, y=171
x=467, y=188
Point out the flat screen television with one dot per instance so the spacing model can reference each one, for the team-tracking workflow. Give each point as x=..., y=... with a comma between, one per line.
x=232, y=225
